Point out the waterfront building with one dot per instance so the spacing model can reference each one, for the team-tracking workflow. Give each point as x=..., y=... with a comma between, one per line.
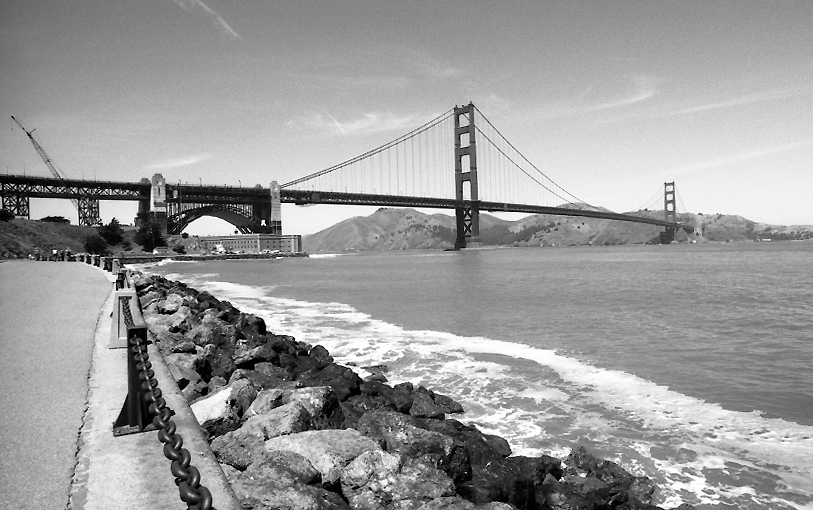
x=253, y=243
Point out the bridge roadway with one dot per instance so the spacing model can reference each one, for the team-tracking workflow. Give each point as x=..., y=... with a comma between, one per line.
x=62, y=388
x=46, y=187
x=305, y=197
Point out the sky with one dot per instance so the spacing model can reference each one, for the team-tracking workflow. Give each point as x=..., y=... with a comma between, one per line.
x=609, y=98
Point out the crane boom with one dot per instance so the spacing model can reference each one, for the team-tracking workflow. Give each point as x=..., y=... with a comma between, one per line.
x=44, y=155
x=47, y=160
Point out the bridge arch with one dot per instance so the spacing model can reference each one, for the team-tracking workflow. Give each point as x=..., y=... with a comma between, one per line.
x=235, y=214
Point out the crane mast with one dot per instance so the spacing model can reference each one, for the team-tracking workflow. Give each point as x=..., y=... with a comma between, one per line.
x=88, y=208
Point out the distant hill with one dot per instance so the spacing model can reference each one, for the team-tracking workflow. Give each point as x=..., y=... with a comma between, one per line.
x=404, y=229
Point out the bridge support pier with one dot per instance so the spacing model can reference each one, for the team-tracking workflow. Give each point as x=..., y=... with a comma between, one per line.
x=467, y=216
x=18, y=205
x=89, y=212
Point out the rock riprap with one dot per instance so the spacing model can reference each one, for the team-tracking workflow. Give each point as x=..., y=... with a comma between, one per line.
x=294, y=430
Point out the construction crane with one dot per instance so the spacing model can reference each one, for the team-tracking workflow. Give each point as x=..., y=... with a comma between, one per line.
x=88, y=208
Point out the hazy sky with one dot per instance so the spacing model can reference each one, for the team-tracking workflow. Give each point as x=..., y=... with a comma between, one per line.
x=609, y=98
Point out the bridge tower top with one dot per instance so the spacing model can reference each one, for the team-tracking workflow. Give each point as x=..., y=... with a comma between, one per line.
x=669, y=210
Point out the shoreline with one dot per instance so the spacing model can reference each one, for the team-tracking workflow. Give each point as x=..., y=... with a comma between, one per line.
x=265, y=363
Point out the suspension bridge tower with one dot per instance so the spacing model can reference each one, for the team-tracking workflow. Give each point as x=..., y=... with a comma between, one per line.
x=467, y=216
x=669, y=212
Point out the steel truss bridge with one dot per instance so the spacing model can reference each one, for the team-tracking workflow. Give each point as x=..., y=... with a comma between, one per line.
x=479, y=171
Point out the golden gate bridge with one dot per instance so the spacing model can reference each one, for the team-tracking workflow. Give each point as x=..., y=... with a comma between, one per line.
x=459, y=161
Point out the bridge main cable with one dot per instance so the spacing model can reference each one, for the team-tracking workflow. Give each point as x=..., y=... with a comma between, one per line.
x=415, y=132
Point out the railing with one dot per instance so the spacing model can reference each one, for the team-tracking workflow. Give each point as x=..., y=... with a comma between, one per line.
x=144, y=407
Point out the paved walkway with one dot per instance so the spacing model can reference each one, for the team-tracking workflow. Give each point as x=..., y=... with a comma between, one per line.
x=54, y=365
x=48, y=314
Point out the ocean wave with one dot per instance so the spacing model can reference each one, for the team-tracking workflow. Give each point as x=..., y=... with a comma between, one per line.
x=546, y=402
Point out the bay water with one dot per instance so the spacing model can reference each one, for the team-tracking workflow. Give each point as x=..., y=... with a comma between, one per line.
x=690, y=364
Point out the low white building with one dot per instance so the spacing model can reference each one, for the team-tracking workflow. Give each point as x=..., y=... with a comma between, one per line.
x=253, y=243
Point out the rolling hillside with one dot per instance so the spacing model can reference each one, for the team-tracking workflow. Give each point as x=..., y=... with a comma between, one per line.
x=404, y=229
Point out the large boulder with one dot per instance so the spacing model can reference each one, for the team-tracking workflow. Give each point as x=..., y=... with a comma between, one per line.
x=344, y=381
x=512, y=480
x=283, y=481
x=328, y=450
x=221, y=412
x=378, y=479
x=396, y=432
x=581, y=463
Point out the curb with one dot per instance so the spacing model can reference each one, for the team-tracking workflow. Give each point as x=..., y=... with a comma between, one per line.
x=131, y=471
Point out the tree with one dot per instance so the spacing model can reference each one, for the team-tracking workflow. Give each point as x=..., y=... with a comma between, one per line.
x=55, y=219
x=6, y=215
x=179, y=248
x=94, y=243
x=112, y=232
x=149, y=236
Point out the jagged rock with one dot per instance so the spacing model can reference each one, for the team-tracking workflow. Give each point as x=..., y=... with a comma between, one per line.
x=248, y=357
x=321, y=355
x=482, y=448
x=261, y=380
x=267, y=399
x=424, y=407
x=328, y=450
x=286, y=419
x=320, y=402
x=274, y=371
x=396, y=432
x=271, y=483
x=512, y=480
x=184, y=347
x=580, y=462
x=238, y=448
x=221, y=412
x=170, y=304
x=344, y=381
x=378, y=479
x=206, y=301
x=215, y=383
x=181, y=367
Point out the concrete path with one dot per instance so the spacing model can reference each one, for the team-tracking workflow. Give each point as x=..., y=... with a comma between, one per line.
x=55, y=378
x=48, y=314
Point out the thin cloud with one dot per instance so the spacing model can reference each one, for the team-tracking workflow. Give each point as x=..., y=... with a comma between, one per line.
x=366, y=123
x=745, y=156
x=645, y=88
x=178, y=162
x=217, y=20
x=756, y=97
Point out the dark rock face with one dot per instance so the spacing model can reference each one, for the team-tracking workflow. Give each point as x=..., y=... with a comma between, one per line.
x=294, y=430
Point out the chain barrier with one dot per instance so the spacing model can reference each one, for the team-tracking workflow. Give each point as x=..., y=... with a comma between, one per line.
x=187, y=476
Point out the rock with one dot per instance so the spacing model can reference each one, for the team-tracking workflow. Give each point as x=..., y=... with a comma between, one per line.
x=248, y=357
x=581, y=463
x=378, y=479
x=221, y=412
x=396, y=432
x=170, y=304
x=238, y=448
x=424, y=407
x=344, y=381
x=267, y=399
x=280, y=480
x=215, y=383
x=328, y=450
x=321, y=355
x=320, y=402
x=482, y=448
x=184, y=347
x=512, y=480
x=261, y=380
x=286, y=419
x=181, y=367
